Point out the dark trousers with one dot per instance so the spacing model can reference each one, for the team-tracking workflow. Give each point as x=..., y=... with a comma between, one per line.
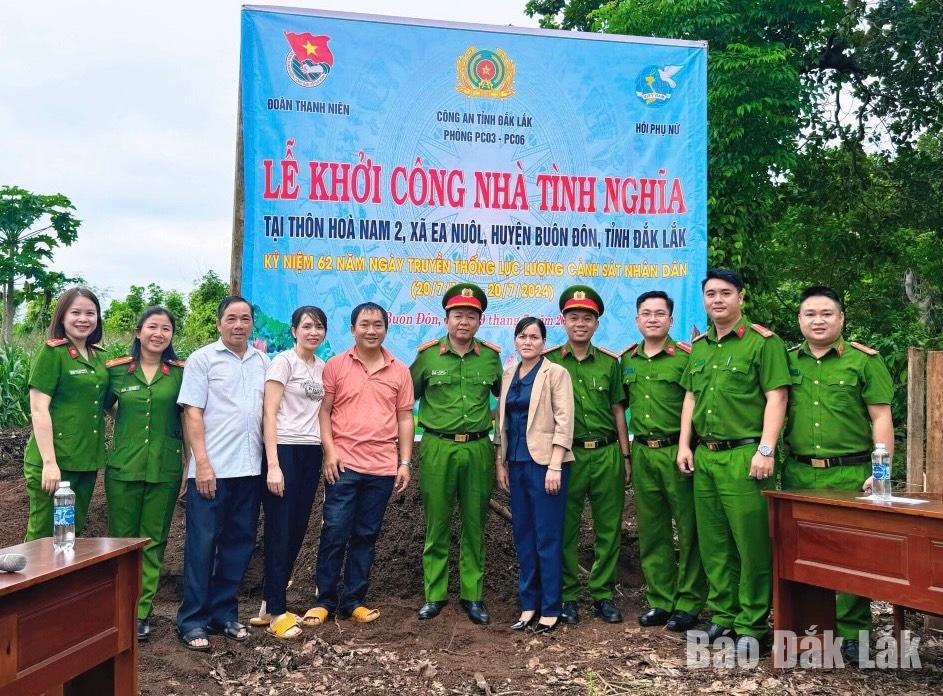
x=286, y=519
x=537, y=523
x=353, y=514
x=220, y=539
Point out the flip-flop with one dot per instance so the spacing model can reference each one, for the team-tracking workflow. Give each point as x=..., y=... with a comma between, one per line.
x=264, y=619
x=285, y=627
x=363, y=614
x=192, y=635
x=315, y=616
x=233, y=630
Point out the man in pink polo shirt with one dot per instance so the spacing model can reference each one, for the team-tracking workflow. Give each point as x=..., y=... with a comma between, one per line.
x=367, y=434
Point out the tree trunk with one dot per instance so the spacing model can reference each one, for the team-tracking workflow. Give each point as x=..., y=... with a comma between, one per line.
x=8, y=310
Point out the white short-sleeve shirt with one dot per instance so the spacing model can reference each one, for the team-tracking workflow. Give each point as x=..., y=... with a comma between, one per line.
x=296, y=422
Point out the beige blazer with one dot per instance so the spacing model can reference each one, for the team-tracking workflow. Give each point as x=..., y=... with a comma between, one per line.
x=550, y=418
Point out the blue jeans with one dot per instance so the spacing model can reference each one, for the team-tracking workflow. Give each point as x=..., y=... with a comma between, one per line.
x=219, y=544
x=353, y=514
x=537, y=523
x=286, y=519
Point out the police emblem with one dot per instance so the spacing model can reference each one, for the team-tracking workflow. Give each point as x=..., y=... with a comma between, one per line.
x=655, y=85
x=309, y=61
x=485, y=73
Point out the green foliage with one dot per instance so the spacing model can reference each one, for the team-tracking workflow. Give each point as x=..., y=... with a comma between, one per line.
x=14, y=386
x=205, y=298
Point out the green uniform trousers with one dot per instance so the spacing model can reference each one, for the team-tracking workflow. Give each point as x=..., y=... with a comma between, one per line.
x=674, y=580
x=141, y=509
x=41, y=503
x=598, y=474
x=733, y=538
x=450, y=471
x=853, y=613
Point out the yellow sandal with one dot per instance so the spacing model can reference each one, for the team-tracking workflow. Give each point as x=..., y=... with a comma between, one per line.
x=363, y=614
x=285, y=627
x=315, y=616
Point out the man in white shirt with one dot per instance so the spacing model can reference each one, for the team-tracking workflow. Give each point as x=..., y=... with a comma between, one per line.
x=221, y=396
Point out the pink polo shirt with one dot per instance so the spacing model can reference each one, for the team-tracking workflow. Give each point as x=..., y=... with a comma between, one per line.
x=363, y=417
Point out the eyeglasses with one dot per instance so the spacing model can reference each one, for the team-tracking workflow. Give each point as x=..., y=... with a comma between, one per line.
x=660, y=316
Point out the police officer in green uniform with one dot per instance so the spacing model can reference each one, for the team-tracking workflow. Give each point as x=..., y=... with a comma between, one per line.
x=737, y=383
x=145, y=463
x=675, y=585
x=454, y=378
x=66, y=390
x=838, y=410
x=600, y=448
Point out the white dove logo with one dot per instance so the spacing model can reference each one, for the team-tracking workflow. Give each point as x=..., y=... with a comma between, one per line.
x=667, y=73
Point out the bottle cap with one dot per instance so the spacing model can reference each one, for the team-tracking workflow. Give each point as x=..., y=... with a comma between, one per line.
x=879, y=445
x=64, y=484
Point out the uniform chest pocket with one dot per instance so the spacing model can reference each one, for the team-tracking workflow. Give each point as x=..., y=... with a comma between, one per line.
x=735, y=377
x=440, y=380
x=842, y=390
x=667, y=384
x=629, y=378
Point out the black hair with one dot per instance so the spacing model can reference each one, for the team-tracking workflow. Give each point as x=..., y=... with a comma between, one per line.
x=368, y=307
x=728, y=275
x=655, y=295
x=231, y=300
x=57, y=328
x=821, y=291
x=168, y=353
x=311, y=311
x=529, y=321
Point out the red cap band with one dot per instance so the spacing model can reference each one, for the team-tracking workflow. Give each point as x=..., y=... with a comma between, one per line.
x=585, y=303
x=463, y=301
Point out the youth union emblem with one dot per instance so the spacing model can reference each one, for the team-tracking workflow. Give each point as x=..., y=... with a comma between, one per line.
x=485, y=73
x=309, y=61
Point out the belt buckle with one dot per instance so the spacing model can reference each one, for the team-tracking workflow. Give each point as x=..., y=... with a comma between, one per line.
x=713, y=446
x=462, y=437
x=590, y=444
x=819, y=463
x=654, y=444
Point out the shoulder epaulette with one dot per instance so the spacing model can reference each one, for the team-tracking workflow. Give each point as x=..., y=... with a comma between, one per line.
x=493, y=346
x=177, y=363
x=56, y=342
x=123, y=360
x=699, y=337
x=628, y=348
x=795, y=347
x=681, y=345
x=98, y=346
x=762, y=330
x=428, y=344
x=863, y=348
x=608, y=352
x=550, y=350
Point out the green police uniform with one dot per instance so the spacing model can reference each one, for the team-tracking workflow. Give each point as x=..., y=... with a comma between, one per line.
x=729, y=378
x=456, y=454
x=674, y=580
x=597, y=471
x=76, y=386
x=828, y=419
x=145, y=463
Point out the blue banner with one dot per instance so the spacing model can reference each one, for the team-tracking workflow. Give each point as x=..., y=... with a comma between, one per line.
x=386, y=159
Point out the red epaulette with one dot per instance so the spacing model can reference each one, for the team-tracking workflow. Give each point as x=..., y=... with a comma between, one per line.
x=177, y=363
x=628, y=348
x=114, y=362
x=56, y=342
x=699, y=337
x=686, y=347
x=762, y=330
x=427, y=344
x=608, y=352
x=493, y=346
x=550, y=350
x=868, y=350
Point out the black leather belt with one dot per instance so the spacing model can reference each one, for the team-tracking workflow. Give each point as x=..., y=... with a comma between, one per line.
x=457, y=437
x=723, y=445
x=594, y=444
x=828, y=462
x=657, y=442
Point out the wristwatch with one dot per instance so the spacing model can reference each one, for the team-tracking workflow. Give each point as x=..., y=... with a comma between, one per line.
x=765, y=450
x=404, y=463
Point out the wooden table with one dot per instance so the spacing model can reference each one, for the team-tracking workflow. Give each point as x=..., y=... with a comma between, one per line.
x=827, y=541
x=68, y=621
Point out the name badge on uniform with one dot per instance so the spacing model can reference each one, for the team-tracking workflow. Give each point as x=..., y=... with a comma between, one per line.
x=630, y=370
x=794, y=371
x=82, y=371
x=439, y=373
x=135, y=387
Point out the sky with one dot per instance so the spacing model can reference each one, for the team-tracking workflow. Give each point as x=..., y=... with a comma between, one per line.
x=129, y=109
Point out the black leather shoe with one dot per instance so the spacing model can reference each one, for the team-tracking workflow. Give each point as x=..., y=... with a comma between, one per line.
x=570, y=613
x=521, y=625
x=540, y=628
x=477, y=612
x=681, y=621
x=748, y=647
x=851, y=652
x=430, y=610
x=717, y=631
x=144, y=629
x=607, y=611
x=654, y=617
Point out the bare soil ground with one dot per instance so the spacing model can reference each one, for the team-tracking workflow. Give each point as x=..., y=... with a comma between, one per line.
x=398, y=654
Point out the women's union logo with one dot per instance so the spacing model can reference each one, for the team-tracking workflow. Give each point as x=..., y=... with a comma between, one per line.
x=655, y=85
x=310, y=60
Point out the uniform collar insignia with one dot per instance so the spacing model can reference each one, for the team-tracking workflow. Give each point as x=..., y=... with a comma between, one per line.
x=132, y=366
x=741, y=329
x=73, y=352
x=165, y=368
x=839, y=347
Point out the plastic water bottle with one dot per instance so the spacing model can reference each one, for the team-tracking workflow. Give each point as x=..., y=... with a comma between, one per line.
x=63, y=518
x=881, y=471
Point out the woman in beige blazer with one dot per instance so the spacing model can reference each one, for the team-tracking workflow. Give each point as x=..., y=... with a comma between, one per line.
x=535, y=427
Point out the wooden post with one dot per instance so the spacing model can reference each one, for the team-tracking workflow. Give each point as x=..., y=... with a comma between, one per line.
x=935, y=421
x=916, y=418
x=238, y=207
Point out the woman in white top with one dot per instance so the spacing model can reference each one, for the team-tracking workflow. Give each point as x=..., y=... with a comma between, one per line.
x=293, y=394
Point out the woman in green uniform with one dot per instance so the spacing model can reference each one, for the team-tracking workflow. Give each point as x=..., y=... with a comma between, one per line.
x=145, y=464
x=66, y=387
